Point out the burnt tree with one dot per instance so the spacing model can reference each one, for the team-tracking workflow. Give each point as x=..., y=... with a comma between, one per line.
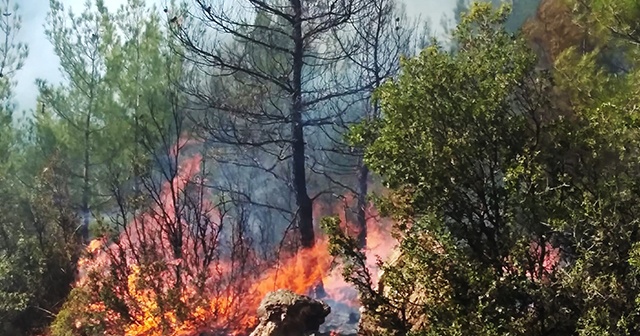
x=381, y=35
x=271, y=75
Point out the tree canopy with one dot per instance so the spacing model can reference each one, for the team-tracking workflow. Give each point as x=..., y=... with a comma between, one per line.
x=518, y=217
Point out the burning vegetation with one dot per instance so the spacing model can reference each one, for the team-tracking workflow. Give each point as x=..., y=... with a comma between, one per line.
x=175, y=269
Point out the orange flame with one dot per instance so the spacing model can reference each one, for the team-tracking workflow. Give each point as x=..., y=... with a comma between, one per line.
x=230, y=299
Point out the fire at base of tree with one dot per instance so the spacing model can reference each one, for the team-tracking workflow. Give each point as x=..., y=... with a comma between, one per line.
x=176, y=269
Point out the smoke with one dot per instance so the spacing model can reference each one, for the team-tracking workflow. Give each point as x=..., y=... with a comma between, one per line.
x=253, y=183
x=433, y=10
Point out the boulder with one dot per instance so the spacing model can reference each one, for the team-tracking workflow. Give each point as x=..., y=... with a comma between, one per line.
x=285, y=313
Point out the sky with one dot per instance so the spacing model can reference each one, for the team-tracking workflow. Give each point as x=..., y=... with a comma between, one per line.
x=43, y=63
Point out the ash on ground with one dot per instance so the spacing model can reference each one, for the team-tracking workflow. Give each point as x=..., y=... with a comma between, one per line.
x=343, y=319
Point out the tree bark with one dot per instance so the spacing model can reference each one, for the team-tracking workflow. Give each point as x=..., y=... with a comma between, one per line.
x=305, y=208
x=363, y=178
x=86, y=188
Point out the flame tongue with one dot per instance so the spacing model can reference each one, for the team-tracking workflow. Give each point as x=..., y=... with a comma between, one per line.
x=226, y=293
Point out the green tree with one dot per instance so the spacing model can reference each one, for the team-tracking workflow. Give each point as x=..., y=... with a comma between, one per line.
x=466, y=145
x=141, y=67
x=522, y=217
x=521, y=11
x=604, y=101
x=144, y=74
x=38, y=252
x=15, y=296
x=459, y=145
x=115, y=68
x=37, y=242
x=81, y=107
x=12, y=56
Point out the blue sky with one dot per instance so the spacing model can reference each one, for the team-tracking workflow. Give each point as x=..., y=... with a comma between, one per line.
x=43, y=63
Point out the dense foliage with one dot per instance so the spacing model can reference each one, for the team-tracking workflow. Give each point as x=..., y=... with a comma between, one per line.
x=515, y=187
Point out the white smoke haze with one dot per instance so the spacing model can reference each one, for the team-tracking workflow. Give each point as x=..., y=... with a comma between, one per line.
x=257, y=194
x=43, y=63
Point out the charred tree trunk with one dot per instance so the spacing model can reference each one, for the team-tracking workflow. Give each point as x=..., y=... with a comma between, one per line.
x=86, y=176
x=86, y=186
x=304, y=203
x=305, y=209
x=282, y=90
x=363, y=178
x=387, y=34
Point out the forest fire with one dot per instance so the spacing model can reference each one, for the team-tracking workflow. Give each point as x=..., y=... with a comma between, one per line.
x=169, y=271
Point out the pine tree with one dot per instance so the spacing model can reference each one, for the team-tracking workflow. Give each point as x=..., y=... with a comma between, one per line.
x=284, y=98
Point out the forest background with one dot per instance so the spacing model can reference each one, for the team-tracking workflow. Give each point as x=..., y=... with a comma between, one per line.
x=192, y=147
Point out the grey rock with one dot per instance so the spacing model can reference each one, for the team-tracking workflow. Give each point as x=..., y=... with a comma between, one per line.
x=285, y=313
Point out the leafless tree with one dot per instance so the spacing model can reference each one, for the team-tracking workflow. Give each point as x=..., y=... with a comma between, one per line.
x=272, y=69
x=382, y=34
